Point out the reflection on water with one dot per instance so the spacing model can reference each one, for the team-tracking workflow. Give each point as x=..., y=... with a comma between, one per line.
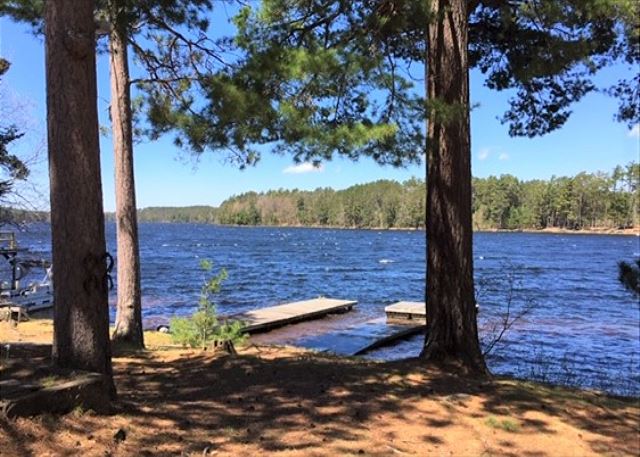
x=583, y=327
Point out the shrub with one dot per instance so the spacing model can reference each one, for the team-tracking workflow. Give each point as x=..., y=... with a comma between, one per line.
x=506, y=424
x=203, y=328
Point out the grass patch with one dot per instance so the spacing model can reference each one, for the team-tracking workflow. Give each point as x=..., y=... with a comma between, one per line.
x=229, y=432
x=156, y=339
x=49, y=381
x=507, y=425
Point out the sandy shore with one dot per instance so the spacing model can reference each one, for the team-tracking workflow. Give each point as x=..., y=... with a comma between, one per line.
x=600, y=231
x=596, y=231
x=289, y=402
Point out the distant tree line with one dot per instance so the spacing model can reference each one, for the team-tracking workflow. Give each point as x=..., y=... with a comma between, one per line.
x=10, y=215
x=189, y=214
x=585, y=201
x=378, y=204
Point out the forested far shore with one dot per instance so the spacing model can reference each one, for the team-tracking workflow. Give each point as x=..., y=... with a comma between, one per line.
x=199, y=214
x=9, y=215
x=587, y=201
x=583, y=202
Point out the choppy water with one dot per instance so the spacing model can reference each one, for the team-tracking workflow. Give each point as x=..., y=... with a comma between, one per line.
x=583, y=328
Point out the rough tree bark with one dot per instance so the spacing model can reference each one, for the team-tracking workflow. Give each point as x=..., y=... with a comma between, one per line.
x=81, y=321
x=129, y=310
x=452, y=332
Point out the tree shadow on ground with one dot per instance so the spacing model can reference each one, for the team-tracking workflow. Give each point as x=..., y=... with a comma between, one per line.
x=301, y=404
x=609, y=417
x=328, y=399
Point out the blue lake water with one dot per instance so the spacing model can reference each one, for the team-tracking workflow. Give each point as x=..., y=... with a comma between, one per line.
x=582, y=327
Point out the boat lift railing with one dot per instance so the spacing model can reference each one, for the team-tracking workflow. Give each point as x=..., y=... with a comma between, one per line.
x=8, y=241
x=20, y=263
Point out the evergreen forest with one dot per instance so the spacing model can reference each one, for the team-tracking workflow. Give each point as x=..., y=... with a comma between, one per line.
x=582, y=202
x=586, y=201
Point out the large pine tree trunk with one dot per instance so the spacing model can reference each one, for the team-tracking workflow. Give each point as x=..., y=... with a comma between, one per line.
x=81, y=320
x=452, y=332
x=129, y=312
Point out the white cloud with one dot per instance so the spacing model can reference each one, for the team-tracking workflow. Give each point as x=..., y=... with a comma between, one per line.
x=305, y=167
x=503, y=156
x=483, y=154
x=634, y=132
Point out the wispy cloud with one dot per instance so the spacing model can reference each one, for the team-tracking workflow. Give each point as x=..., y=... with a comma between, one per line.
x=484, y=153
x=503, y=156
x=634, y=132
x=305, y=167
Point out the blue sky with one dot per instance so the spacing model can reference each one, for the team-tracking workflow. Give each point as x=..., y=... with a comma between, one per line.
x=166, y=176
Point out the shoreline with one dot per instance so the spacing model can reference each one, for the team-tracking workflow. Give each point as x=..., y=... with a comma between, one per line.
x=549, y=230
x=561, y=231
x=635, y=231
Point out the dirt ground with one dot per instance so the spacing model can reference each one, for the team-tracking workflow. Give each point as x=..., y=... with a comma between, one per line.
x=286, y=402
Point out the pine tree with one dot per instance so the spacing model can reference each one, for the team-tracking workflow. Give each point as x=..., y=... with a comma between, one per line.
x=130, y=24
x=338, y=76
x=81, y=317
x=12, y=167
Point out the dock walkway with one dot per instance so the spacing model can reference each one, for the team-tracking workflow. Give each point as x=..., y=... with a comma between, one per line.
x=265, y=319
x=361, y=338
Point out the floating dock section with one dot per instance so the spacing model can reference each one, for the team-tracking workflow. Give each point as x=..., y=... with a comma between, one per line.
x=407, y=310
x=264, y=319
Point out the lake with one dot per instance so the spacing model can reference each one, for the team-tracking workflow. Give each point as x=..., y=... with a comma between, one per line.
x=582, y=327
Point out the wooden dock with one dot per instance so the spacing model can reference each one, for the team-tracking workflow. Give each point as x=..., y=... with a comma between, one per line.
x=264, y=319
x=361, y=338
x=394, y=333
x=407, y=310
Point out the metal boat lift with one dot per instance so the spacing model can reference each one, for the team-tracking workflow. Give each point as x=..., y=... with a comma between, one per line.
x=24, y=299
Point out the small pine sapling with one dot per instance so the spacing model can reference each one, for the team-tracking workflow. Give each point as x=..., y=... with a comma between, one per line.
x=203, y=328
